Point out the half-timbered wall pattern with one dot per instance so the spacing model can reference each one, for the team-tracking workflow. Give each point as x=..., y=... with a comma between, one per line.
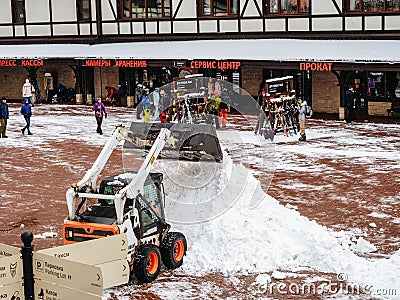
x=124, y=19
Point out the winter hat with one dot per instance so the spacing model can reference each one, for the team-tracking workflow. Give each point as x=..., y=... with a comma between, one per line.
x=156, y=89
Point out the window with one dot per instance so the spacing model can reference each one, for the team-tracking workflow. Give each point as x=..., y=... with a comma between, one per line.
x=373, y=5
x=132, y=9
x=83, y=7
x=287, y=7
x=216, y=8
x=18, y=11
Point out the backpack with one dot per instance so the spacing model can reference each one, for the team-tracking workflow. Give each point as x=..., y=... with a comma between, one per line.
x=309, y=112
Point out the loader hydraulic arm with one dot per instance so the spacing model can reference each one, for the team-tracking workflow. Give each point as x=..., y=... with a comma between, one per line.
x=136, y=186
x=87, y=186
x=88, y=182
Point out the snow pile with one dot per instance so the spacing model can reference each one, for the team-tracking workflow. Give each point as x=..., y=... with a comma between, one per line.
x=268, y=237
x=363, y=246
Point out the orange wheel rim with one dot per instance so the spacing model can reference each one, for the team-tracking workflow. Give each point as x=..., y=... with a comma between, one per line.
x=179, y=250
x=153, y=263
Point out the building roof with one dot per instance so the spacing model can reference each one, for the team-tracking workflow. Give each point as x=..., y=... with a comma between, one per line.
x=386, y=51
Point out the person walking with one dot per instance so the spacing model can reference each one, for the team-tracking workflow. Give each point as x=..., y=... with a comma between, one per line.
x=350, y=104
x=3, y=117
x=26, y=111
x=156, y=101
x=99, y=113
x=224, y=108
x=138, y=100
x=302, y=120
x=146, y=102
x=27, y=90
x=212, y=108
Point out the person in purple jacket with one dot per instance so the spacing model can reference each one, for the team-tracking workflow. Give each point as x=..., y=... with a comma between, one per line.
x=99, y=113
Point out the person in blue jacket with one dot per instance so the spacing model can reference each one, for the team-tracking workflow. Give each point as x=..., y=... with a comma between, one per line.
x=3, y=117
x=26, y=111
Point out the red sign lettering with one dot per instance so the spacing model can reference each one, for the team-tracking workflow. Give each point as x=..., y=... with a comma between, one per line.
x=130, y=63
x=315, y=66
x=22, y=62
x=8, y=63
x=98, y=63
x=221, y=65
x=32, y=63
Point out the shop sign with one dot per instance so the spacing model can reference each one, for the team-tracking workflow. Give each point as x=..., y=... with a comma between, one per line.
x=276, y=88
x=186, y=84
x=122, y=63
x=130, y=63
x=179, y=64
x=212, y=64
x=319, y=66
x=98, y=63
x=21, y=62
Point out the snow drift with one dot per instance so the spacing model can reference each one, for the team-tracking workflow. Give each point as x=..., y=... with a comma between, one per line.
x=230, y=235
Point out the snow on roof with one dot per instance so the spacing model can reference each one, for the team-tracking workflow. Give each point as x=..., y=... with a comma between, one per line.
x=249, y=49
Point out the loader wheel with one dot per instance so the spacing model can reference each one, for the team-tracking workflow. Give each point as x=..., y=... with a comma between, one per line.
x=147, y=263
x=173, y=248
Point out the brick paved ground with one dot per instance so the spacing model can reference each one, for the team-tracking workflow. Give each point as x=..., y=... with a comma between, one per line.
x=344, y=177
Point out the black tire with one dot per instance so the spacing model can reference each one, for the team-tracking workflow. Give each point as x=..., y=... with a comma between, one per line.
x=147, y=263
x=171, y=250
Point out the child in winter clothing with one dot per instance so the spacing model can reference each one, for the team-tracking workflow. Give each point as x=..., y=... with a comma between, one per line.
x=3, y=117
x=99, y=113
x=26, y=111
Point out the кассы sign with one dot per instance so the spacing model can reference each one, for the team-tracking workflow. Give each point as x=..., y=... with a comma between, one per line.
x=21, y=63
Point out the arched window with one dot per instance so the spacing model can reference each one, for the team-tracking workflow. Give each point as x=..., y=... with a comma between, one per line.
x=18, y=11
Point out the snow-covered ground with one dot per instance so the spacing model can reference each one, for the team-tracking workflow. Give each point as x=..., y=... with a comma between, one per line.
x=233, y=227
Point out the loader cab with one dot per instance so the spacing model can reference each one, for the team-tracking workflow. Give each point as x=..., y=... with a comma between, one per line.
x=99, y=219
x=150, y=206
x=153, y=191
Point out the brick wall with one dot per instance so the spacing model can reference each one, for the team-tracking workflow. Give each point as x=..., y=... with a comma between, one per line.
x=103, y=77
x=12, y=79
x=62, y=73
x=325, y=92
x=251, y=78
x=378, y=108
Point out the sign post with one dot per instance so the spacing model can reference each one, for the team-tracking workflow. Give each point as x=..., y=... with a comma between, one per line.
x=26, y=251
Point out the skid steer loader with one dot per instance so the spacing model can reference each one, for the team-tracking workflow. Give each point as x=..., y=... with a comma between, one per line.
x=133, y=202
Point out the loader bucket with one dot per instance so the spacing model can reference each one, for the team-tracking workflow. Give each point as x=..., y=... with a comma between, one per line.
x=193, y=141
